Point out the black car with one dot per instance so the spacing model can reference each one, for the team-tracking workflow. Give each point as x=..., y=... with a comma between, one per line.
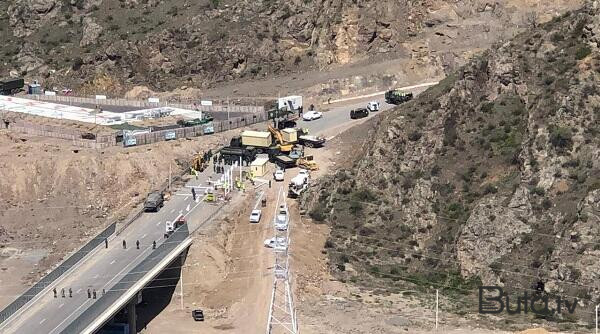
x=198, y=315
x=359, y=113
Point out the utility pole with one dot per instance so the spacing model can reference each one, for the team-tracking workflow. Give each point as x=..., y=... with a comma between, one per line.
x=436, y=308
x=182, y=283
x=170, y=163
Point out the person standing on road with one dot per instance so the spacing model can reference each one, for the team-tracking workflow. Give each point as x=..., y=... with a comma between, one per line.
x=62, y=292
x=124, y=244
x=105, y=242
x=55, y=295
x=94, y=293
x=154, y=244
x=137, y=244
x=89, y=294
x=194, y=193
x=70, y=293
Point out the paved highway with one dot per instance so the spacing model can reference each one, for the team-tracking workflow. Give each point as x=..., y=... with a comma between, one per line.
x=104, y=267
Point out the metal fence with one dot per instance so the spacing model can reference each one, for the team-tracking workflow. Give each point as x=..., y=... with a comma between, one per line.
x=56, y=273
x=185, y=104
x=194, y=131
x=135, y=275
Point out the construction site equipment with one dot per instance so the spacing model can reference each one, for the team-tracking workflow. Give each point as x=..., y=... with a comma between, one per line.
x=283, y=161
x=307, y=162
x=259, y=139
x=373, y=106
x=154, y=201
x=298, y=184
x=200, y=162
x=290, y=135
x=209, y=197
x=284, y=146
x=289, y=103
x=396, y=96
x=11, y=86
x=233, y=154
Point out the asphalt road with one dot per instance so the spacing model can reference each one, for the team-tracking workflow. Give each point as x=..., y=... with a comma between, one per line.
x=104, y=267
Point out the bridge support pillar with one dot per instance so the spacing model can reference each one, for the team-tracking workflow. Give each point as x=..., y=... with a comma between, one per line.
x=131, y=317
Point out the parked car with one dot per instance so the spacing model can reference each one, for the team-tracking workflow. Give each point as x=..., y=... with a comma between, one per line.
x=279, y=175
x=154, y=201
x=359, y=113
x=255, y=216
x=277, y=243
x=198, y=315
x=312, y=115
x=373, y=106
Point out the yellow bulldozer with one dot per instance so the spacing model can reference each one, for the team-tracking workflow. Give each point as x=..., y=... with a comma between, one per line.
x=307, y=162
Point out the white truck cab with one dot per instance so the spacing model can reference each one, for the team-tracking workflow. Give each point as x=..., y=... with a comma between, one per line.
x=373, y=106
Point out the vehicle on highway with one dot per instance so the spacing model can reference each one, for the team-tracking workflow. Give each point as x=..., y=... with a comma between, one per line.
x=279, y=175
x=312, y=115
x=373, y=106
x=255, y=216
x=283, y=218
x=311, y=141
x=276, y=243
x=154, y=201
x=171, y=226
x=198, y=315
x=396, y=96
x=359, y=113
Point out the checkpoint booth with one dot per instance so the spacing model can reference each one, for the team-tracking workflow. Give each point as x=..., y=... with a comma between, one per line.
x=258, y=167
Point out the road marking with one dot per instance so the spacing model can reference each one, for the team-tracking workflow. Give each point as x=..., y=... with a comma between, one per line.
x=187, y=208
x=41, y=322
x=96, y=276
x=172, y=210
x=78, y=291
x=143, y=236
x=158, y=223
x=61, y=305
x=330, y=138
x=113, y=261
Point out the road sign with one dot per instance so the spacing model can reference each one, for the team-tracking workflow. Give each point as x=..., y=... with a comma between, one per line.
x=130, y=141
x=153, y=99
x=49, y=93
x=206, y=103
x=170, y=135
x=100, y=97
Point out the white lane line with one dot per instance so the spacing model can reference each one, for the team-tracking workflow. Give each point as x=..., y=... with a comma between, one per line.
x=330, y=138
x=96, y=276
x=113, y=261
x=158, y=223
x=61, y=305
x=78, y=291
x=143, y=236
x=41, y=322
x=172, y=210
x=187, y=208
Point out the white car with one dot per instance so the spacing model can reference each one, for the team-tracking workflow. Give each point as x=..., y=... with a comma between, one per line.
x=279, y=175
x=373, y=106
x=255, y=216
x=312, y=115
x=283, y=218
x=277, y=243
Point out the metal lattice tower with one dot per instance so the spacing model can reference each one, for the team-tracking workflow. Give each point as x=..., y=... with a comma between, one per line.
x=282, y=315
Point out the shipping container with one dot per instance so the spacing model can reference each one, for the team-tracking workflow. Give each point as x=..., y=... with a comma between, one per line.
x=256, y=138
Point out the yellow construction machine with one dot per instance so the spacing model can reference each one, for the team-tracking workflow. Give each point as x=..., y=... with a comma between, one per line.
x=283, y=145
x=307, y=162
x=199, y=162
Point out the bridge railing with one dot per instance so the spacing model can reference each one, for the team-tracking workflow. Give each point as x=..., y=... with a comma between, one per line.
x=127, y=282
x=49, y=279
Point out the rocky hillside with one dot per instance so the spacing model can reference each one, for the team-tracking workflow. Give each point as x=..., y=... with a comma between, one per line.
x=492, y=176
x=167, y=44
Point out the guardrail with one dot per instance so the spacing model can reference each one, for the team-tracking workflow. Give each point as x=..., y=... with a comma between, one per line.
x=135, y=275
x=49, y=279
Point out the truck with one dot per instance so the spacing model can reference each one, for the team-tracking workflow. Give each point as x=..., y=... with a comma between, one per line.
x=206, y=121
x=171, y=226
x=396, y=96
x=311, y=141
x=298, y=184
x=11, y=86
x=154, y=201
x=289, y=103
x=283, y=161
x=233, y=154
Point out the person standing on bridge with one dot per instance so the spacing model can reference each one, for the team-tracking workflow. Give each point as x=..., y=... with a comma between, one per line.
x=70, y=293
x=105, y=242
x=62, y=292
x=55, y=295
x=154, y=244
x=89, y=293
x=124, y=244
x=94, y=293
x=137, y=244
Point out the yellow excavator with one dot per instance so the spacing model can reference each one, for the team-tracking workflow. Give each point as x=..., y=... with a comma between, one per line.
x=199, y=162
x=283, y=145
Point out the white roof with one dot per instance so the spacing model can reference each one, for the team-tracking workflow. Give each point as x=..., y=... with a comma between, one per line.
x=288, y=130
x=261, y=134
x=259, y=161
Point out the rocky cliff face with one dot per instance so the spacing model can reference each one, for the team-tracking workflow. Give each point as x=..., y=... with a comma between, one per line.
x=167, y=44
x=492, y=176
